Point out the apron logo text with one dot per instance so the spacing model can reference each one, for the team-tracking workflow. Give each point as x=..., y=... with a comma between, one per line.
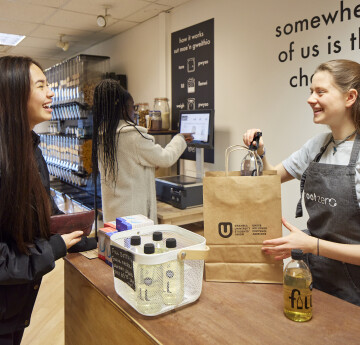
x=321, y=200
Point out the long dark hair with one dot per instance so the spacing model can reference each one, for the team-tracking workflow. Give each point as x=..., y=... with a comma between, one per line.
x=24, y=204
x=112, y=103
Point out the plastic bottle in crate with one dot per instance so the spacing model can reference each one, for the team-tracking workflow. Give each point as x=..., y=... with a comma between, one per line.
x=135, y=244
x=173, y=278
x=149, y=285
x=158, y=242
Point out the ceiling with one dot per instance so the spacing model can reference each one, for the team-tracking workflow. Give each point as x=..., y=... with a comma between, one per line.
x=42, y=22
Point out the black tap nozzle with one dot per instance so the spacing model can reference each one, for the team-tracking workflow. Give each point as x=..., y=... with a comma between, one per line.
x=257, y=136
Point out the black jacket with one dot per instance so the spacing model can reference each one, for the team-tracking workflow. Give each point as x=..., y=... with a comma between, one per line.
x=20, y=274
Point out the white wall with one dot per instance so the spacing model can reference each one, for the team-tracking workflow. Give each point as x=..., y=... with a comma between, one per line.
x=251, y=85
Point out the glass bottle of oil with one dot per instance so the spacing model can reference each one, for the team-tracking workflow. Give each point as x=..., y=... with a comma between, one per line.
x=297, y=288
x=173, y=278
x=158, y=242
x=148, y=290
x=252, y=164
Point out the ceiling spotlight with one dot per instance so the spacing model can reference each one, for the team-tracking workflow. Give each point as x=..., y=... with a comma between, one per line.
x=61, y=44
x=102, y=20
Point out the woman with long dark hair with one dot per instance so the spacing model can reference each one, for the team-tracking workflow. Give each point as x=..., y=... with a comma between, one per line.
x=27, y=250
x=127, y=154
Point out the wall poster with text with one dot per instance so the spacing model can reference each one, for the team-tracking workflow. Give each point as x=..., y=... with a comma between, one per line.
x=192, y=74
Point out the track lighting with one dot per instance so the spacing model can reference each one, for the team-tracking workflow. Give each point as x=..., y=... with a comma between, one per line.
x=61, y=44
x=102, y=20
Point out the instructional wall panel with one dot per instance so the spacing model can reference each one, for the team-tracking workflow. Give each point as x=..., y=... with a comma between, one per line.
x=192, y=72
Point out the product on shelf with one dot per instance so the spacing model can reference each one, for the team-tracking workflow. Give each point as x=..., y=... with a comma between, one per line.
x=162, y=105
x=143, y=110
x=155, y=121
x=67, y=147
x=74, y=80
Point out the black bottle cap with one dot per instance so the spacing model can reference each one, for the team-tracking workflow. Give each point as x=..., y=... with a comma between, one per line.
x=149, y=248
x=135, y=240
x=171, y=243
x=157, y=236
x=297, y=254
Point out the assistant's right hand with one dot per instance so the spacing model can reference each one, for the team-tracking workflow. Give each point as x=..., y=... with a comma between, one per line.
x=248, y=138
x=72, y=238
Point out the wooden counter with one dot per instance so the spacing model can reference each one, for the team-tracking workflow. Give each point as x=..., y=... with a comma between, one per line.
x=226, y=313
x=168, y=214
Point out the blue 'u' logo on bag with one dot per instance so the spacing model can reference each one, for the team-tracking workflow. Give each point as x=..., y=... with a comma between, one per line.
x=225, y=229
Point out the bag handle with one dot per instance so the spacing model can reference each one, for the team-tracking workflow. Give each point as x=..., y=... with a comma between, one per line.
x=185, y=254
x=238, y=148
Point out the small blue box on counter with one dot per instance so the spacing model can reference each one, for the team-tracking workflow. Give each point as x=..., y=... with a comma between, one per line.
x=132, y=222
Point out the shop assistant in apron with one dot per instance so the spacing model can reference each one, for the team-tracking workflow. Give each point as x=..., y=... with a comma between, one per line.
x=334, y=215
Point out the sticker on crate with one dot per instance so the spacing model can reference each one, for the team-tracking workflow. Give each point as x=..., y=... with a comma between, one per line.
x=123, y=265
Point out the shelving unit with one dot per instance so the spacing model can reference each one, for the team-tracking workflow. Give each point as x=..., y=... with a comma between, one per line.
x=67, y=146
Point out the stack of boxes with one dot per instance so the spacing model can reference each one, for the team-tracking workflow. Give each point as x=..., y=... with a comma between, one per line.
x=111, y=228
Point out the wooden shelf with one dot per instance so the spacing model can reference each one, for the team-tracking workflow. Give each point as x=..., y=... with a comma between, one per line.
x=171, y=132
x=168, y=214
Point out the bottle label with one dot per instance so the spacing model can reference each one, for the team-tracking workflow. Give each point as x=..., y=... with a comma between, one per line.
x=299, y=300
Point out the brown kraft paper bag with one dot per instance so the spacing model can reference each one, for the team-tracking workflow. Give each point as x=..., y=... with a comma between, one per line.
x=242, y=263
x=240, y=212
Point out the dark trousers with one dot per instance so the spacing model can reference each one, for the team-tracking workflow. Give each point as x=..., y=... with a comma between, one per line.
x=12, y=338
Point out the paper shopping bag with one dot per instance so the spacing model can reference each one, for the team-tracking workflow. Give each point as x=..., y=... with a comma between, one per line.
x=241, y=209
x=242, y=263
x=240, y=212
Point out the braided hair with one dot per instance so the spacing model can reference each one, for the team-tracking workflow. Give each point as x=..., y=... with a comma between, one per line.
x=112, y=103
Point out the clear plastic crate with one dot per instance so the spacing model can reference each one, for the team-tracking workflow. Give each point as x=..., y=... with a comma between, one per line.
x=157, y=283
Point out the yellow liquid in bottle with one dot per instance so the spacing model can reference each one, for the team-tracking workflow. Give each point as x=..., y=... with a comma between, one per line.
x=298, y=295
x=173, y=282
x=149, y=289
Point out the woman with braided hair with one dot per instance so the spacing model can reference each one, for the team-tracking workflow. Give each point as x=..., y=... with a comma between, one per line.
x=126, y=155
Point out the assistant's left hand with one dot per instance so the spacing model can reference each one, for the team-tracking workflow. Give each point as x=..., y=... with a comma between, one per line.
x=281, y=247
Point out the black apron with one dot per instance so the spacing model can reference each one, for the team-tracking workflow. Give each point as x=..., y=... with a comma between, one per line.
x=334, y=215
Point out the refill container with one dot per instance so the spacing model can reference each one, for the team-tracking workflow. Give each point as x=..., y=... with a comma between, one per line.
x=173, y=277
x=297, y=288
x=155, y=121
x=158, y=242
x=191, y=249
x=148, y=287
x=252, y=164
x=134, y=243
x=143, y=111
x=162, y=105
